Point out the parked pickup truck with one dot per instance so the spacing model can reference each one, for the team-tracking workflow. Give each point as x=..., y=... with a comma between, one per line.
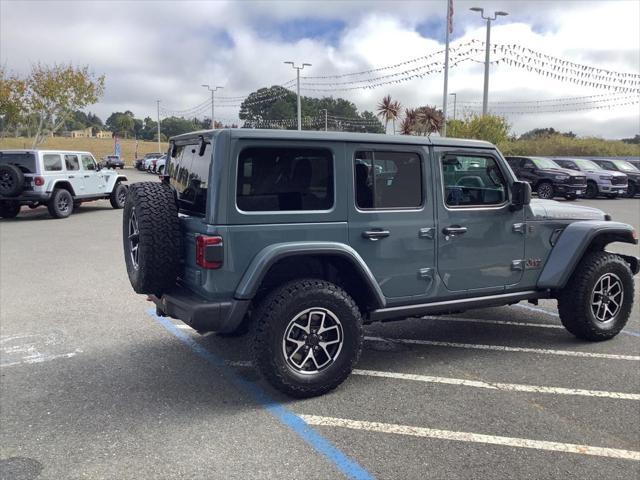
x=547, y=178
x=303, y=237
x=599, y=181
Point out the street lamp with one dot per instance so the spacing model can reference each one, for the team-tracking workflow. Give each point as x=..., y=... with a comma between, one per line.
x=489, y=19
x=326, y=113
x=298, y=88
x=213, y=91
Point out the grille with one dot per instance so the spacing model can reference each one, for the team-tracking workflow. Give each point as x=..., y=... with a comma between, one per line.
x=578, y=180
x=619, y=181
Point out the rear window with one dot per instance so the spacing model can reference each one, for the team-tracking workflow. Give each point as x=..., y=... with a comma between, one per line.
x=25, y=161
x=189, y=176
x=285, y=179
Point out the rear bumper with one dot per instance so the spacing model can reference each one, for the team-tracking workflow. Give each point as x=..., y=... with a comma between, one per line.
x=199, y=313
x=29, y=197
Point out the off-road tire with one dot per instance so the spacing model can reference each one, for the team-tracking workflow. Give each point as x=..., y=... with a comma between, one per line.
x=153, y=208
x=269, y=327
x=545, y=190
x=118, y=196
x=60, y=205
x=11, y=180
x=160, y=170
x=574, y=301
x=9, y=209
x=592, y=190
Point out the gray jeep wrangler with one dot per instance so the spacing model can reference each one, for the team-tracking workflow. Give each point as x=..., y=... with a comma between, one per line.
x=303, y=237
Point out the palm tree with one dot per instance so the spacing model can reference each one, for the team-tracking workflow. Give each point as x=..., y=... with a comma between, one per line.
x=430, y=120
x=388, y=110
x=406, y=127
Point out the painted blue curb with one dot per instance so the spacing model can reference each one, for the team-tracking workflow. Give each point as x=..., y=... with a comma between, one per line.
x=320, y=444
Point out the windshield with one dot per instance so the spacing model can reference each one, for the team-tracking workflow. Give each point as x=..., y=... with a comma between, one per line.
x=545, y=163
x=625, y=166
x=25, y=161
x=588, y=165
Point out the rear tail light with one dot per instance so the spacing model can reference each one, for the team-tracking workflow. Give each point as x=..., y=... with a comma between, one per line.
x=38, y=181
x=209, y=251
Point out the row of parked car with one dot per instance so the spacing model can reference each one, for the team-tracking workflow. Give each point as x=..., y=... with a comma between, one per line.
x=152, y=163
x=572, y=178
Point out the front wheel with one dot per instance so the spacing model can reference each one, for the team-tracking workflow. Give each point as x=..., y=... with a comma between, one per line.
x=545, y=190
x=632, y=190
x=570, y=198
x=591, y=191
x=596, y=302
x=307, y=337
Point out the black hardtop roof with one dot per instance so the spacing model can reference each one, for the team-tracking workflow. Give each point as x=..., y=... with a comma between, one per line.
x=335, y=136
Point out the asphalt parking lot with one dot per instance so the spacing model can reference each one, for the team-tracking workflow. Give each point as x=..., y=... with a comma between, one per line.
x=93, y=385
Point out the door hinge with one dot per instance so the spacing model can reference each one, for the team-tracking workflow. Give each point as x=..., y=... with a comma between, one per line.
x=520, y=228
x=517, y=265
x=426, y=273
x=427, y=232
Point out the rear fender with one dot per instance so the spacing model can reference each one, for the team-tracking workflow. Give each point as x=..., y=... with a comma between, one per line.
x=578, y=238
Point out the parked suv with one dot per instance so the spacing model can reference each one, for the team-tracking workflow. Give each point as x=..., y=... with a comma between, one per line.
x=599, y=181
x=547, y=178
x=112, y=161
x=622, y=166
x=303, y=237
x=61, y=180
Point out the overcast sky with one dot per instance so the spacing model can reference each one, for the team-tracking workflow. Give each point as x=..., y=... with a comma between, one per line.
x=165, y=50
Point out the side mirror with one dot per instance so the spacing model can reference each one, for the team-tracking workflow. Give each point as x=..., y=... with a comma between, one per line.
x=98, y=167
x=520, y=195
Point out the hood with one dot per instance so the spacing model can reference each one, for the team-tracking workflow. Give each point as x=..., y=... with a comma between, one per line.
x=550, y=209
x=562, y=171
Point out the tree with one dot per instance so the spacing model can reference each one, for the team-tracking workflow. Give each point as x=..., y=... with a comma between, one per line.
x=12, y=100
x=421, y=121
x=389, y=111
x=171, y=126
x=54, y=92
x=634, y=141
x=491, y=128
x=121, y=123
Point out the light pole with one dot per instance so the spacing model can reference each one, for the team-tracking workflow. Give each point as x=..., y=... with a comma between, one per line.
x=325, y=117
x=213, y=91
x=485, y=97
x=298, y=88
x=455, y=100
x=159, y=147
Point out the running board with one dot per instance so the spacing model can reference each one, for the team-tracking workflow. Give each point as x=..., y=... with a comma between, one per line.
x=452, y=305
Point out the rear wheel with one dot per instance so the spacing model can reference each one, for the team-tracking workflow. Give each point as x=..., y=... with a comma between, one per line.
x=9, y=209
x=60, y=204
x=307, y=337
x=596, y=302
x=151, y=237
x=545, y=190
x=118, y=195
x=592, y=190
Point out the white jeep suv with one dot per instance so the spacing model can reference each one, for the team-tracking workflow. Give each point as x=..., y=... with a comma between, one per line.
x=61, y=180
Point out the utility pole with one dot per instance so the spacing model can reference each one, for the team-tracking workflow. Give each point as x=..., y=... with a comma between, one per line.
x=213, y=92
x=445, y=96
x=159, y=147
x=325, y=118
x=485, y=96
x=455, y=100
x=298, y=89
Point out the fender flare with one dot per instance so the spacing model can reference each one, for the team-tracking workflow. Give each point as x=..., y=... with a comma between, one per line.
x=67, y=186
x=572, y=245
x=268, y=256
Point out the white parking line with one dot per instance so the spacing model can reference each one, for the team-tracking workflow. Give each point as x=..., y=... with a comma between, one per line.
x=470, y=437
x=509, y=387
x=536, y=309
x=504, y=348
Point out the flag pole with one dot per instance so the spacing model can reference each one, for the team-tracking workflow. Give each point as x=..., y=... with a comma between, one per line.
x=445, y=93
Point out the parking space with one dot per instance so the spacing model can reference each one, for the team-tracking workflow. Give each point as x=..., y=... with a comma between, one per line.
x=94, y=385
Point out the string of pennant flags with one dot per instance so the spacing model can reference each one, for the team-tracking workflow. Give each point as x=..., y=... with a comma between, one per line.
x=561, y=109
x=565, y=103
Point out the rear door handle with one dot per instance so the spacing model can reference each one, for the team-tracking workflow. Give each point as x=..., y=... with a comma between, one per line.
x=375, y=235
x=454, y=230
x=72, y=176
x=86, y=176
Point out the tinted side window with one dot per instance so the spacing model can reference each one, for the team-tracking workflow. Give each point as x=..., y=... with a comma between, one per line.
x=528, y=163
x=189, y=175
x=72, y=162
x=388, y=179
x=88, y=163
x=52, y=162
x=472, y=181
x=284, y=179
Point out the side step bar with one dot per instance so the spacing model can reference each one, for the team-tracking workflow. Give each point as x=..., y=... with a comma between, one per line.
x=390, y=313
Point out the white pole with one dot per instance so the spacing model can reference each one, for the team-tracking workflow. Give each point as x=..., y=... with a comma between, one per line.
x=485, y=97
x=299, y=104
x=159, y=147
x=213, y=122
x=446, y=72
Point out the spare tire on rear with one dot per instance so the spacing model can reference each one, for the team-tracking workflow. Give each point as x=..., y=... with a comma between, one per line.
x=11, y=180
x=151, y=237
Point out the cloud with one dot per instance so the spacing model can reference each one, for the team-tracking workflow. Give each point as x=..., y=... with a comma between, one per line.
x=166, y=50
